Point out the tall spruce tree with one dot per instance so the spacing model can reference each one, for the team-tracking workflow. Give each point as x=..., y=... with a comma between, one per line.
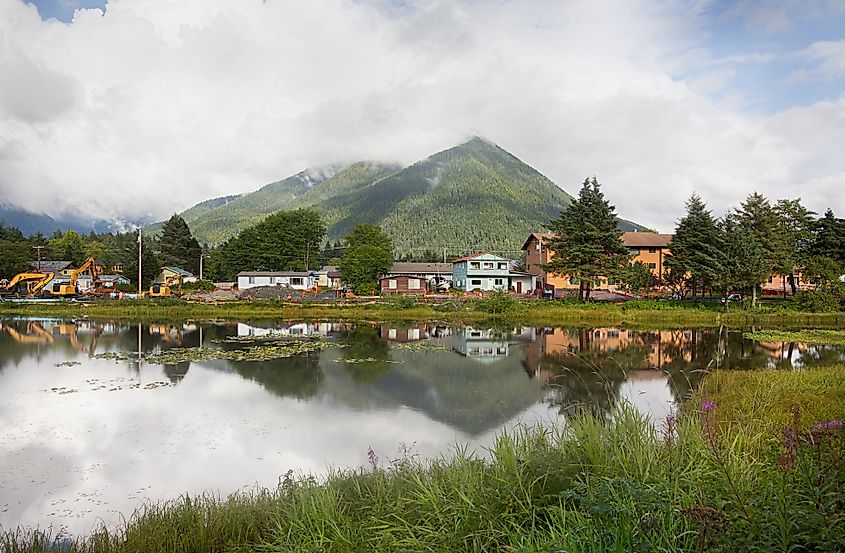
x=744, y=266
x=829, y=241
x=795, y=225
x=587, y=242
x=178, y=247
x=697, y=249
x=757, y=216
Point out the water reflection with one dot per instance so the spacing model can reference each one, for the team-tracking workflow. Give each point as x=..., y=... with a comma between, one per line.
x=91, y=428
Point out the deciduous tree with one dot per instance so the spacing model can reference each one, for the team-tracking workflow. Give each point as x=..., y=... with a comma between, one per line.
x=368, y=254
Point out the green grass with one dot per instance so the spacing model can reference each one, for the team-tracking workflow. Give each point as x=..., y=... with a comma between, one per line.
x=770, y=397
x=457, y=310
x=831, y=337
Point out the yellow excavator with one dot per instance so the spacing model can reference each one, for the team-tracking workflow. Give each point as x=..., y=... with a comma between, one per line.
x=159, y=290
x=68, y=289
x=35, y=334
x=34, y=283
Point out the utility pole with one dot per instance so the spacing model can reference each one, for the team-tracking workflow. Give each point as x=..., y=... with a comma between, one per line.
x=139, y=271
x=38, y=249
x=201, y=256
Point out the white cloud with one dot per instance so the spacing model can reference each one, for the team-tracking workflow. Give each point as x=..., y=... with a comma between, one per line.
x=155, y=104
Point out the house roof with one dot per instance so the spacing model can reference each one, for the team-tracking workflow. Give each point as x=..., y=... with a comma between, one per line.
x=116, y=278
x=541, y=236
x=276, y=273
x=51, y=266
x=646, y=239
x=178, y=270
x=404, y=268
x=629, y=239
x=387, y=277
x=473, y=256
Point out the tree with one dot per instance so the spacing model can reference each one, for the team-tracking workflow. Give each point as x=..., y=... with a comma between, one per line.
x=829, y=238
x=128, y=257
x=587, y=241
x=15, y=252
x=757, y=219
x=795, y=225
x=637, y=277
x=696, y=246
x=69, y=246
x=745, y=265
x=284, y=241
x=368, y=254
x=178, y=247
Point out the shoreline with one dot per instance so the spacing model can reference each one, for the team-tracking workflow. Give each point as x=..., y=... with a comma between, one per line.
x=535, y=313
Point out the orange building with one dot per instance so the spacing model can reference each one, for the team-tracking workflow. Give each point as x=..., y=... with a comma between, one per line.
x=648, y=247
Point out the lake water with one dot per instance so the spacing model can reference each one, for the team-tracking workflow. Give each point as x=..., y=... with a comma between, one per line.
x=90, y=428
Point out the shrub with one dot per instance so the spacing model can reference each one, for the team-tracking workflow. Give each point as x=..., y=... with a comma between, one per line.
x=819, y=301
x=499, y=303
x=200, y=285
x=400, y=301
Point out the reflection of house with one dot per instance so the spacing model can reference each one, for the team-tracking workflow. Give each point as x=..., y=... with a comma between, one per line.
x=412, y=334
x=660, y=347
x=648, y=247
x=292, y=279
x=299, y=329
x=486, y=272
x=481, y=345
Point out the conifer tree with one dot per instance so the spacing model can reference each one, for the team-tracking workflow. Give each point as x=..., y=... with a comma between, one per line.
x=696, y=246
x=178, y=247
x=795, y=228
x=587, y=242
x=756, y=216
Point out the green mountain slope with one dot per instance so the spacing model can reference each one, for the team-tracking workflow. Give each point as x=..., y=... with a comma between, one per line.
x=473, y=197
x=217, y=224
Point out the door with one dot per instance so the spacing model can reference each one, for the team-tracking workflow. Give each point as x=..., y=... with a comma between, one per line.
x=518, y=287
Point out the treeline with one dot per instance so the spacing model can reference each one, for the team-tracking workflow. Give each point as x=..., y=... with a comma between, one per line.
x=736, y=253
x=174, y=247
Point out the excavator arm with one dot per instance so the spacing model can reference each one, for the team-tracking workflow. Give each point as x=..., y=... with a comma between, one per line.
x=41, y=279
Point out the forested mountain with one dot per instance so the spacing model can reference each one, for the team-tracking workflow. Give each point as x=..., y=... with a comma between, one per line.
x=30, y=222
x=214, y=225
x=475, y=196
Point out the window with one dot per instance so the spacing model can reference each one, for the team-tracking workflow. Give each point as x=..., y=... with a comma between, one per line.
x=476, y=282
x=413, y=284
x=250, y=280
x=771, y=279
x=474, y=265
x=652, y=250
x=296, y=281
x=498, y=282
x=489, y=265
x=573, y=280
x=652, y=265
x=611, y=282
x=391, y=284
x=634, y=250
x=503, y=266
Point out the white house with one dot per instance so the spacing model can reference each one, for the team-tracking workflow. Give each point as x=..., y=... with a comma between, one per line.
x=487, y=271
x=291, y=279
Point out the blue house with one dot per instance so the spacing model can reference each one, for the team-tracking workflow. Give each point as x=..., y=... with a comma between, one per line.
x=486, y=272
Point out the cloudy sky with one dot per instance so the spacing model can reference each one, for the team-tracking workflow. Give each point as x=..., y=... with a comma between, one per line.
x=139, y=108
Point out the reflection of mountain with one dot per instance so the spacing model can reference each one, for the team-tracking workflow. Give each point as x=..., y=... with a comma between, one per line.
x=447, y=387
x=298, y=377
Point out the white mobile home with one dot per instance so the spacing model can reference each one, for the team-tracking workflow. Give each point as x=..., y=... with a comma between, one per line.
x=290, y=279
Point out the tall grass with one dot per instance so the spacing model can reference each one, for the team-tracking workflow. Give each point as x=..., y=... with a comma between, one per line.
x=615, y=484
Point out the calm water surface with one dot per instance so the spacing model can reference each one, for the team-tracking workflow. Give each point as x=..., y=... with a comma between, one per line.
x=85, y=438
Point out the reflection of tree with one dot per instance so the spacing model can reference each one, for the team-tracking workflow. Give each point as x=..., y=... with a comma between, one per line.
x=815, y=356
x=688, y=354
x=589, y=378
x=299, y=376
x=177, y=372
x=364, y=342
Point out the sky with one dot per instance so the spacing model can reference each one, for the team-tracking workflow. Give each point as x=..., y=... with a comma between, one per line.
x=135, y=109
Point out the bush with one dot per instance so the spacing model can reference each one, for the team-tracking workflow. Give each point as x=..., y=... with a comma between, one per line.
x=815, y=302
x=400, y=301
x=200, y=285
x=499, y=303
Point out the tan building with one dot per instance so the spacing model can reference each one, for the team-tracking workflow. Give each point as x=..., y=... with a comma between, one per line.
x=648, y=247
